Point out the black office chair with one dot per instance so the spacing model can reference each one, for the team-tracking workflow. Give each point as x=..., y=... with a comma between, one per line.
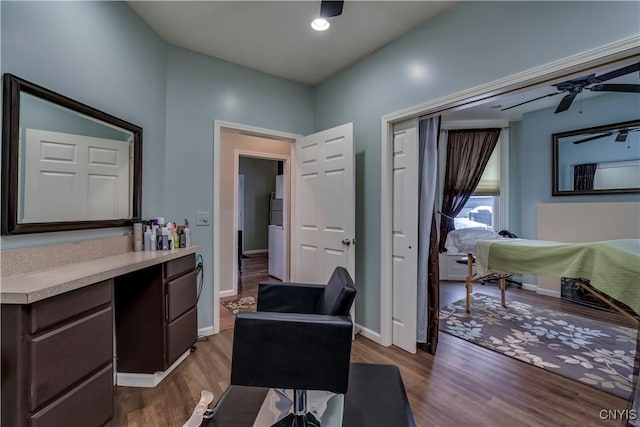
x=299, y=338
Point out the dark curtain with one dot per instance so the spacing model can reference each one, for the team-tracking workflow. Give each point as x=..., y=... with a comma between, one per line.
x=433, y=283
x=583, y=176
x=468, y=152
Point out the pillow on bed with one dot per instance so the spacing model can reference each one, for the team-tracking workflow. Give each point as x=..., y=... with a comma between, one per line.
x=464, y=240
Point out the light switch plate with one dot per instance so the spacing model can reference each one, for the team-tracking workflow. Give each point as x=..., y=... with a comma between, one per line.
x=203, y=218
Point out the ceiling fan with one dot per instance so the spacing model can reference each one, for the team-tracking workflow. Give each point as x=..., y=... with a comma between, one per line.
x=621, y=137
x=591, y=82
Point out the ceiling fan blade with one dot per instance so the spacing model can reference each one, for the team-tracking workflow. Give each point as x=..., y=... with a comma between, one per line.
x=622, y=136
x=619, y=72
x=330, y=8
x=531, y=100
x=615, y=87
x=565, y=103
x=591, y=138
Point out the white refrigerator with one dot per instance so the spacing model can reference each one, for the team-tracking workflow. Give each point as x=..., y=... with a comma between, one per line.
x=276, y=251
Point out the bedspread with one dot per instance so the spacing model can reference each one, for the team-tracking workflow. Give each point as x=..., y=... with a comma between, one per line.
x=612, y=266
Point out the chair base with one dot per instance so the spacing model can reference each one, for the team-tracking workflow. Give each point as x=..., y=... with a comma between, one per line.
x=291, y=420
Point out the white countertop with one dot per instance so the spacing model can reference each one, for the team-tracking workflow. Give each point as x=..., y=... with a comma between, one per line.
x=31, y=287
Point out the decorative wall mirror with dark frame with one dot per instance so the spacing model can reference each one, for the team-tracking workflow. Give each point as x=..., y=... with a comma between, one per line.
x=65, y=165
x=597, y=160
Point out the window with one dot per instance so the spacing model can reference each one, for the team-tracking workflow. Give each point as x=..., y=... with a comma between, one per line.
x=478, y=212
x=481, y=210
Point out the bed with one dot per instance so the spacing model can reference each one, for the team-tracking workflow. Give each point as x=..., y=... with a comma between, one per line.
x=612, y=267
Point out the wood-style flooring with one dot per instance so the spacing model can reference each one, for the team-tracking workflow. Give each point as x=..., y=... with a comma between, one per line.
x=463, y=385
x=254, y=270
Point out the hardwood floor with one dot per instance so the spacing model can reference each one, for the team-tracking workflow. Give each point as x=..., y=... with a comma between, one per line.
x=463, y=385
x=254, y=270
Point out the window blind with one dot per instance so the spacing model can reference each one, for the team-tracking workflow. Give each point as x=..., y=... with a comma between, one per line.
x=489, y=184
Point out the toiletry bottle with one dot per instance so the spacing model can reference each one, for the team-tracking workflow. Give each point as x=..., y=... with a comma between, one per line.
x=154, y=238
x=158, y=237
x=147, y=239
x=187, y=234
x=165, y=239
x=137, y=235
x=181, y=237
x=176, y=238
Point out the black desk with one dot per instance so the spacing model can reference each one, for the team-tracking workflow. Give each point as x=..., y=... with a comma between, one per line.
x=376, y=398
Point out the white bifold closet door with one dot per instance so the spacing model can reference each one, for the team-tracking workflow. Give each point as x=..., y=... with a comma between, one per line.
x=405, y=234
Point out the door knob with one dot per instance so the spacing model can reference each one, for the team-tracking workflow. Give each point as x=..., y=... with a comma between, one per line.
x=346, y=242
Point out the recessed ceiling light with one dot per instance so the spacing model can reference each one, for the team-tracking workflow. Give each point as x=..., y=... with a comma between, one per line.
x=320, y=24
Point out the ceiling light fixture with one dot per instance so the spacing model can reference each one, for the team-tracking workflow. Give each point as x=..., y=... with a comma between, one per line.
x=320, y=24
x=328, y=9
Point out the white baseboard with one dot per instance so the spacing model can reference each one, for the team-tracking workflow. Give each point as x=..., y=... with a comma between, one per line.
x=530, y=287
x=255, y=251
x=548, y=292
x=368, y=333
x=147, y=380
x=207, y=331
x=227, y=293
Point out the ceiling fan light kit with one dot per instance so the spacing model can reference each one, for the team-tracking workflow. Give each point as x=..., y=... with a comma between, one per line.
x=594, y=83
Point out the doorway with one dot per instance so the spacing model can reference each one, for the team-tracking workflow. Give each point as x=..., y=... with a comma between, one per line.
x=537, y=77
x=323, y=218
x=231, y=143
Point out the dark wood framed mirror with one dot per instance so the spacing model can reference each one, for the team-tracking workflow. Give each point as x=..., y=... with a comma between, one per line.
x=65, y=165
x=597, y=160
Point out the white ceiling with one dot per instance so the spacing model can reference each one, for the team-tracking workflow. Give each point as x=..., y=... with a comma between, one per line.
x=276, y=37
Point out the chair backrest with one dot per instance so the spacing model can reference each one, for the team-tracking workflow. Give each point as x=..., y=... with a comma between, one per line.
x=338, y=295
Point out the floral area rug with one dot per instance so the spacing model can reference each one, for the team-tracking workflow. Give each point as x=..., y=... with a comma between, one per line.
x=240, y=304
x=589, y=351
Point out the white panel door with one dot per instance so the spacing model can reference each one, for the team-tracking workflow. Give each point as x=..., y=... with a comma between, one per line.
x=323, y=227
x=75, y=177
x=405, y=234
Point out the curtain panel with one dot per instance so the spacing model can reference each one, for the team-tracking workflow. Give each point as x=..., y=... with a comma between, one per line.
x=428, y=274
x=583, y=176
x=468, y=151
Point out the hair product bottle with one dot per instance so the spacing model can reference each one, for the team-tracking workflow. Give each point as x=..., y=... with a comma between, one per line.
x=187, y=234
x=137, y=235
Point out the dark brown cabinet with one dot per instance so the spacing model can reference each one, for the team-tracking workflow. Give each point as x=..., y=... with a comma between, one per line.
x=156, y=315
x=58, y=353
x=57, y=359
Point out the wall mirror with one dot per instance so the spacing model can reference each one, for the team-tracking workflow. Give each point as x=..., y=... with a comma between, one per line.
x=65, y=165
x=598, y=160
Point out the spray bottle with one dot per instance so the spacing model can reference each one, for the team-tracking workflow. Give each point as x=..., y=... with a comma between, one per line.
x=187, y=234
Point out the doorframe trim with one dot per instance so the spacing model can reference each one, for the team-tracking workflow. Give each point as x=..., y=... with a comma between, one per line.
x=543, y=75
x=218, y=125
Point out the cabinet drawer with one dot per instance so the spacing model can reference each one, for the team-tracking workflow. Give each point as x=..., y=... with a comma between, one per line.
x=48, y=312
x=64, y=356
x=88, y=404
x=181, y=295
x=181, y=334
x=179, y=266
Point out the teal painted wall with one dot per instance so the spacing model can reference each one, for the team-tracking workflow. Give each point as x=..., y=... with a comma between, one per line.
x=101, y=54
x=104, y=55
x=200, y=90
x=468, y=45
x=536, y=151
x=259, y=183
